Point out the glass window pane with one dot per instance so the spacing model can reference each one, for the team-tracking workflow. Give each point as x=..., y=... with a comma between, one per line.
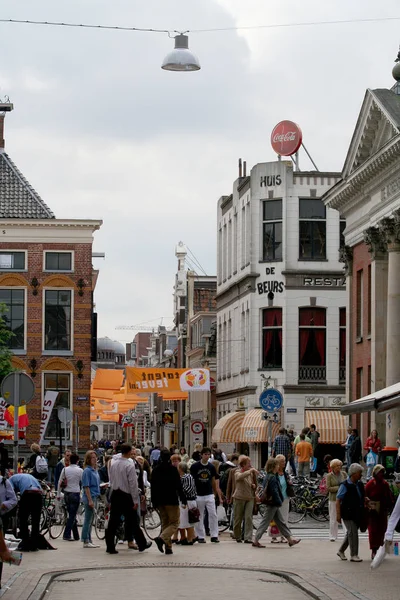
x=64, y=261
x=51, y=297
x=58, y=320
x=342, y=316
x=319, y=235
x=268, y=241
x=305, y=230
x=50, y=381
x=18, y=296
x=312, y=208
x=51, y=261
x=272, y=210
x=5, y=296
x=19, y=260
x=17, y=312
x=63, y=381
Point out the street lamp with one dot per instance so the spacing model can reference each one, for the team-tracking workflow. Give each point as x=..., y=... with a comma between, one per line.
x=181, y=58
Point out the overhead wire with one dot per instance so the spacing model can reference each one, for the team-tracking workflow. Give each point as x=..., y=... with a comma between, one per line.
x=196, y=261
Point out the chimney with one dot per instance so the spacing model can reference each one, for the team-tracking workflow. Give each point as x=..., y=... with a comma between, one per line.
x=244, y=168
x=4, y=107
x=240, y=167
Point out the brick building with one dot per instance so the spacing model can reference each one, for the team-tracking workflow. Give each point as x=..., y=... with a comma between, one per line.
x=47, y=282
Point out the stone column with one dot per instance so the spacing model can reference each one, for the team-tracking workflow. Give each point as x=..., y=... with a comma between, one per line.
x=391, y=227
x=346, y=257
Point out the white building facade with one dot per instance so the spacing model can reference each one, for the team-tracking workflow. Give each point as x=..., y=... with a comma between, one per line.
x=281, y=304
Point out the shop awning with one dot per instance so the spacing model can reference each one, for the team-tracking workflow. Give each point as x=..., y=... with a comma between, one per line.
x=254, y=428
x=108, y=379
x=386, y=399
x=227, y=429
x=331, y=425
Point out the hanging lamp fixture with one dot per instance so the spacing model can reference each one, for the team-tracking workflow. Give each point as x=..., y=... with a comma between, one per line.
x=181, y=58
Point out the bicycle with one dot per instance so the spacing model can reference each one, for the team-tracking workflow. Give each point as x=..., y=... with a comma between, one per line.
x=151, y=521
x=308, y=501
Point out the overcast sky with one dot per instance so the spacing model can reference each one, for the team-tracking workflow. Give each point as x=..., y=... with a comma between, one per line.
x=102, y=132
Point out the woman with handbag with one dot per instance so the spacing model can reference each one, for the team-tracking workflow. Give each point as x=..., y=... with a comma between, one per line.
x=273, y=498
x=191, y=514
x=334, y=479
x=287, y=493
x=243, y=499
x=379, y=502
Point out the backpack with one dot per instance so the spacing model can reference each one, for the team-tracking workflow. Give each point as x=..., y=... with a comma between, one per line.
x=41, y=466
x=223, y=481
x=218, y=455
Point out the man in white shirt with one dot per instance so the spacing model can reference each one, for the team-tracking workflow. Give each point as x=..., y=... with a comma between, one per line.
x=124, y=501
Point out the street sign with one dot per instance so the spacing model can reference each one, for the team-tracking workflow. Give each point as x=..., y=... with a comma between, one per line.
x=65, y=415
x=271, y=400
x=197, y=427
x=26, y=388
x=169, y=427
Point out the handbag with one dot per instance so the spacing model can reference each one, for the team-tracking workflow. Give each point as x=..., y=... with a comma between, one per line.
x=290, y=490
x=374, y=505
x=63, y=482
x=265, y=498
x=193, y=515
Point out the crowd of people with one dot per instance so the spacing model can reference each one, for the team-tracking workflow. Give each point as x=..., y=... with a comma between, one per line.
x=188, y=492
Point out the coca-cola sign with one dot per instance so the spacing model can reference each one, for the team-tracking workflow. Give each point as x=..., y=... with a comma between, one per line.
x=286, y=138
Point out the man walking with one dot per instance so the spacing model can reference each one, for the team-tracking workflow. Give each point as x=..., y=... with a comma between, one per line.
x=52, y=460
x=204, y=475
x=282, y=445
x=347, y=445
x=350, y=508
x=124, y=501
x=304, y=453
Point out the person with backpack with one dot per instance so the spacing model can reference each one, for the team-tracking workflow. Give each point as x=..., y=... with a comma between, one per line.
x=217, y=454
x=52, y=460
x=38, y=464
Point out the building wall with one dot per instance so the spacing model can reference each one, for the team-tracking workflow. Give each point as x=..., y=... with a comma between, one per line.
x=62, y=362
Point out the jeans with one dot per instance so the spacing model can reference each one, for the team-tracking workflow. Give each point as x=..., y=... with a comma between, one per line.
x=169, y=523
x=303, y=469
x=51, y=474
x=351, y=538
x=243, y=510
x=208, y=502
x=87, y=523
x=72, y=501
x=273, y=513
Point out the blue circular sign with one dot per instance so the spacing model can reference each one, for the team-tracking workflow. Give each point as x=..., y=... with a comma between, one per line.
x=271, y=400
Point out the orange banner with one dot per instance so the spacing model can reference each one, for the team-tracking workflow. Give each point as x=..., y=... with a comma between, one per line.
x=167, y=380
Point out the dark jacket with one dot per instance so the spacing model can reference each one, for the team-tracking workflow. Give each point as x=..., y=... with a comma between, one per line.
x=352, y=503
x=103, y=474
x=274, y=491
x=355, y=450
x=166, y=486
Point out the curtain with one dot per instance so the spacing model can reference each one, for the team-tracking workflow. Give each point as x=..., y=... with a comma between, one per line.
x=320, y=342
x=267, y=342
x=342, y=357
x=312, y=317
x=304, y=337
x=272, y=317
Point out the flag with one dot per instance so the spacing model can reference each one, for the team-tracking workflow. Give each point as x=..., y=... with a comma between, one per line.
x=23, y=420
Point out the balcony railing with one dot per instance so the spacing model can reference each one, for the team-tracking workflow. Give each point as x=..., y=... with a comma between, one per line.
x=314, y=374
x=342, y=374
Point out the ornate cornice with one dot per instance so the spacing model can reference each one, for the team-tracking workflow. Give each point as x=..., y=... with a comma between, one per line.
x=375, y=241
x=57, y=364
x=59, y=281
x=390, y=228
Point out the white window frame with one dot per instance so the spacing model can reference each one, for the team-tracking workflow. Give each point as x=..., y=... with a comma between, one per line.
x=11, y=251
x=71, y=252
x=21, y=351
x=71, y=401
x=57, y=352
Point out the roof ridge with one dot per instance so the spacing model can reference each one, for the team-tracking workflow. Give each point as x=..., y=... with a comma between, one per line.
x=27, y=185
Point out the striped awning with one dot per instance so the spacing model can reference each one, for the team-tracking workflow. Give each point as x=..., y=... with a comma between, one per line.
x=227, y=429
x=254, y=428
x=331, y=425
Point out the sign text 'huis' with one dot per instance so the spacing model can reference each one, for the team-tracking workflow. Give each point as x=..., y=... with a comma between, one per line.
x=270, y=180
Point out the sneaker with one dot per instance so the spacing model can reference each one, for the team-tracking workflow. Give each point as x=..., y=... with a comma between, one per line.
x=90, y=545
x=332, y=539
x=355, y=559
x=216, y=540
x=341, y=555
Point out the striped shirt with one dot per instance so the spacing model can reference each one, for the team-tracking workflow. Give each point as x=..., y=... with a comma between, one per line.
x=123, y=477
x=189, y=487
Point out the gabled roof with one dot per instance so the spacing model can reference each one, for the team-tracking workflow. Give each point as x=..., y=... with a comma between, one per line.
x=378, y=123
x=18, y=199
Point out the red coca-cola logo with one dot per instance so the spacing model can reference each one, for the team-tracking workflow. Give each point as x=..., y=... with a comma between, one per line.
x=286, y=138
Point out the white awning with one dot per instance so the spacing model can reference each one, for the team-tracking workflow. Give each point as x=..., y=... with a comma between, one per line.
x=384, y=400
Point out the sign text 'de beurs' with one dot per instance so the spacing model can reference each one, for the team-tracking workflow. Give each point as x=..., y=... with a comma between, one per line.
x=273, y=286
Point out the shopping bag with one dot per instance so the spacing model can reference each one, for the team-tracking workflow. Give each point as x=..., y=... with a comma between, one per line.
x=289, y=469
x=221, y=513
x=379, y=557
x=313, y=465
x=371, y=459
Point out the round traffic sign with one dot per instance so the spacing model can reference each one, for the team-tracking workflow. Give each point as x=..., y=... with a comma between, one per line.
x=20, y=381
x=197, y=427
x=65, y=415
x=271, y=400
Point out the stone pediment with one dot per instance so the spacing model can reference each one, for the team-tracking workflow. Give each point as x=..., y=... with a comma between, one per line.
x=378, y=124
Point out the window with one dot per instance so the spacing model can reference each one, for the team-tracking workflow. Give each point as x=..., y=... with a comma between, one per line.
x=57, y=320
x=58, y=382
x=312, y=214
x=369, y=282
x=14, y=316
x=342, y=345
x=272, y=338
x=58, y=261
x=360, y=305
x=312, y=344
x=272, y=230
x=12, y=261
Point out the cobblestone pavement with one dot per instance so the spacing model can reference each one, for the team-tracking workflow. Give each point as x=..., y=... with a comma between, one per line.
x=312, y=568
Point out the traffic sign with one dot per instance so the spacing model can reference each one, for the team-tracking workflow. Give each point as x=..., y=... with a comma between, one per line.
x=271, y=400
x=25, y=384
x=197, y=427
x=65, y=415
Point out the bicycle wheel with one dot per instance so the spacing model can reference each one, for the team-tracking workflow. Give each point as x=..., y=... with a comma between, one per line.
x=297, y=510
x=100, y=524
x=58, y=520
x=224, y=520
x=44, y=525
x=320, y=510
x=152, y=523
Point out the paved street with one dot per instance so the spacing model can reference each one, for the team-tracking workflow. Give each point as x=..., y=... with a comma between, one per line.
x=312, y=567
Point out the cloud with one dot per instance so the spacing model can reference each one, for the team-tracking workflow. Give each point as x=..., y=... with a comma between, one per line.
x=101, y=131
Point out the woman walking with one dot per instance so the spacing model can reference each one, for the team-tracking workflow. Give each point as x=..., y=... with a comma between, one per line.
x=379, y=502
x=373, y=446
x=71, y=482
x=287, y=492
x=350, y=508
x=243, y=499
x=186, y=529
x=273, y=498
x=91, y=493
x=334, y=479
